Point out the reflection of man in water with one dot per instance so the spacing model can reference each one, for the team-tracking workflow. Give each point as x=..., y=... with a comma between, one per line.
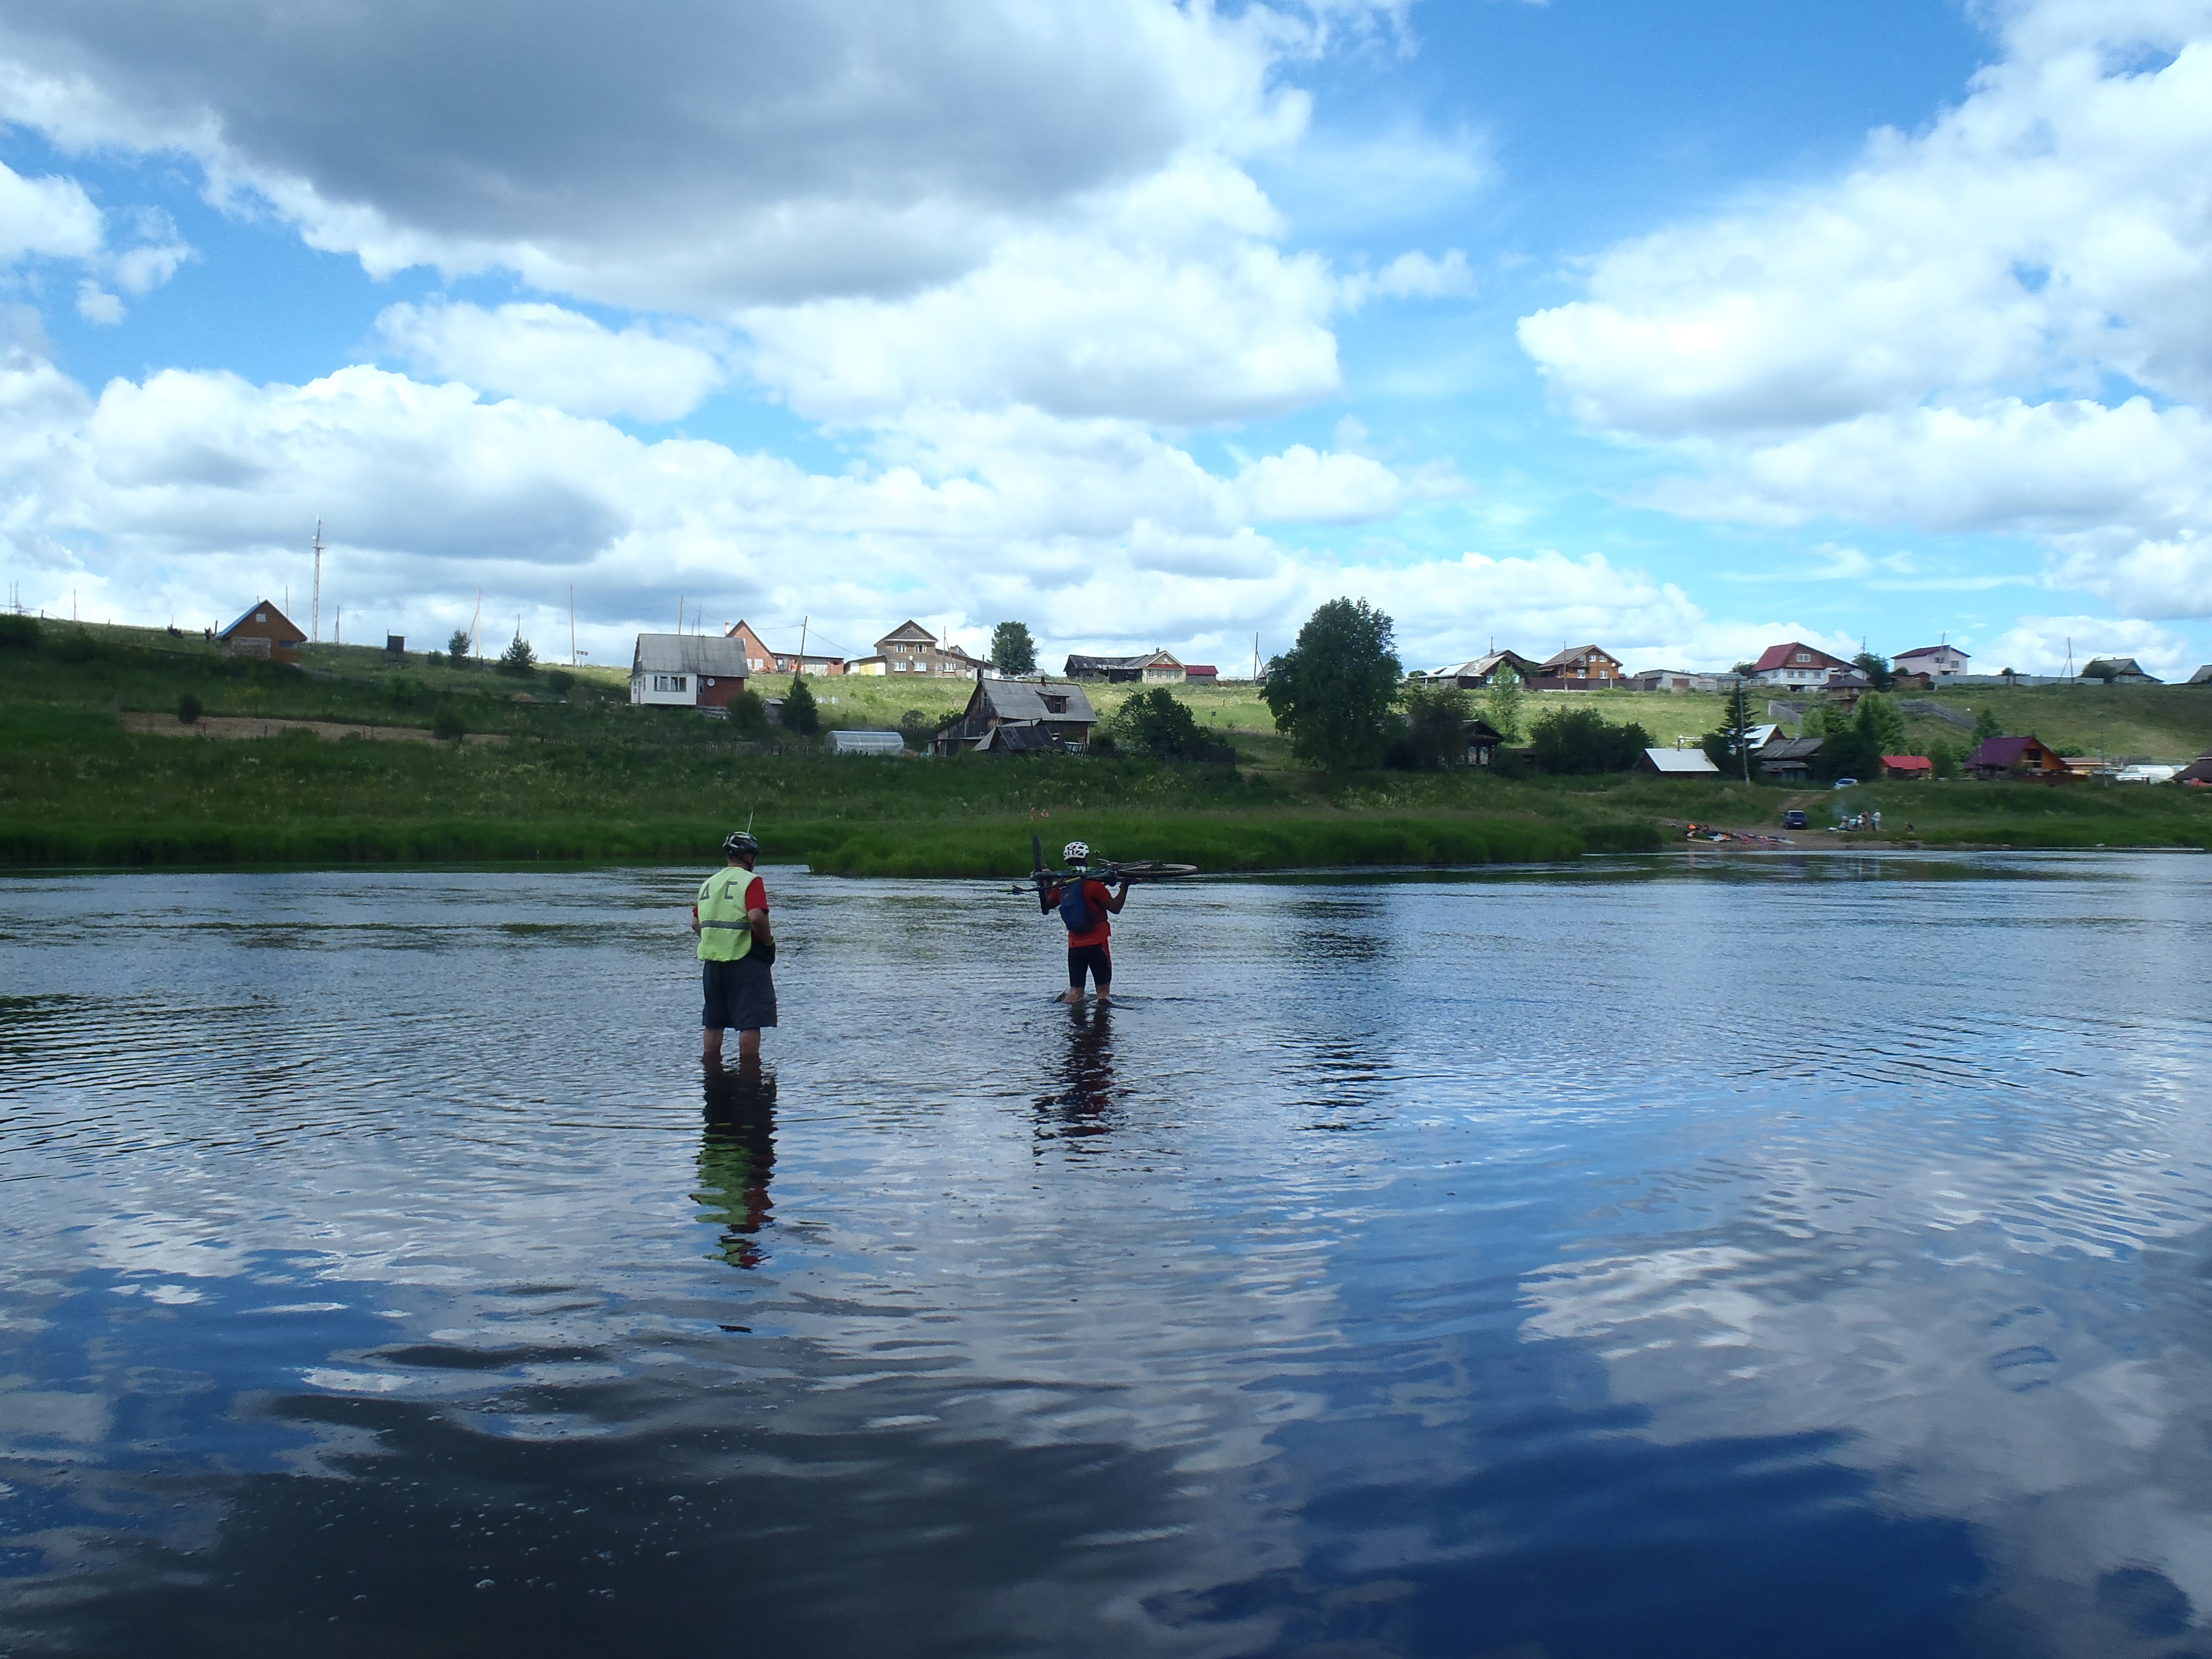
x=1084, y=1105
x=736, y=1156
x=735, y=949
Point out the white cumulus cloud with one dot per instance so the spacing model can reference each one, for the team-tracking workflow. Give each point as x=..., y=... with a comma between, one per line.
x=1930, y=340
x=546, y=354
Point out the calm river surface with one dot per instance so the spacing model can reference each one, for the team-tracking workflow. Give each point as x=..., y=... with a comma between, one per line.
x=1763, y=1256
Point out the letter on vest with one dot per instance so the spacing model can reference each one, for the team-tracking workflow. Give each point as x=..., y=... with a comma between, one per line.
x=724, y=935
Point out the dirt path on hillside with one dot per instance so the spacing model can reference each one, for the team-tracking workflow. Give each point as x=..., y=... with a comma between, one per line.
x=240, y=726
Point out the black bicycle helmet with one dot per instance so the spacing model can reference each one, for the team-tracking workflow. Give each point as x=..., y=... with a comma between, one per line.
x=741, y=841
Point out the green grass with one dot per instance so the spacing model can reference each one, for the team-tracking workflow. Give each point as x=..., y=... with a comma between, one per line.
x=586, y=776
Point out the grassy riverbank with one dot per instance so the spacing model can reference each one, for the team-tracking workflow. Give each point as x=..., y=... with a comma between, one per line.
x=573, y=772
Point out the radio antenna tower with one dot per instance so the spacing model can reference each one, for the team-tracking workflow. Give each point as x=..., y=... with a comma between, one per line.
x=315, y=622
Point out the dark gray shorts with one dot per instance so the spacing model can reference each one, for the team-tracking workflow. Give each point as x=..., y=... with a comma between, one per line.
x=741, y=995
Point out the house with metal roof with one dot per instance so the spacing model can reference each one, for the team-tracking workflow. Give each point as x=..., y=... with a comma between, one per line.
x=1677, y=764
x=2202, y=676
x=686, y=671
x=1014, y=715
x=1478, y=671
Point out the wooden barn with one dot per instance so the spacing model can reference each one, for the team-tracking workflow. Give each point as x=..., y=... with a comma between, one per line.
x=1014, y=715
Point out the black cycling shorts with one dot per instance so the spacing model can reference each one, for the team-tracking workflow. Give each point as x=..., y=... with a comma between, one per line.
x=741, y=995
x=1095, y=959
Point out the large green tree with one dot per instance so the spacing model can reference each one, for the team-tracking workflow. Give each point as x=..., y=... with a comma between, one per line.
x=1574, y=741
x=1436, y=729
x=800, y=714
x=1013, y=651
x=1157, y=723
x=1876, y=668
x=1332, y=691
x=1885, y=722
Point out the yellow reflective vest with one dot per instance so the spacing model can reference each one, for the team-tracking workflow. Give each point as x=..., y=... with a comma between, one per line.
x=724, y=935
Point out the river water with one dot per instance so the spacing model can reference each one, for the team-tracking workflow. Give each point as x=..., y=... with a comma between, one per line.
x=1751, y=1256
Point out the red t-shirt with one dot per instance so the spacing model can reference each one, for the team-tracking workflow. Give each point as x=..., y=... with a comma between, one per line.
x=1095, y=897
x=756, y=899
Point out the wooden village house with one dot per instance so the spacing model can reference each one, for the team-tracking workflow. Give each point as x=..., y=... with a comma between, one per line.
x=2019, y=757
x=263, y=632
x=1578, y=668
x=1149, y=667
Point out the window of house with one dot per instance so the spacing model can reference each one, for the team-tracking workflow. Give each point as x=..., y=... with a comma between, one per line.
x=1804, y=656
x=1055, y=705
x=672, y=683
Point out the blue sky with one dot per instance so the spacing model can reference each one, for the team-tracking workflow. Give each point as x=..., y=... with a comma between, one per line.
x=1679, y=329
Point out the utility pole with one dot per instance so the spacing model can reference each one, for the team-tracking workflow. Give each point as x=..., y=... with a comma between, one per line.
x=572, y=624
x=475, y=630
x=679, y=613
x=1743, y=731
x=315, y=621
x=1255, y=659
x=801, y=666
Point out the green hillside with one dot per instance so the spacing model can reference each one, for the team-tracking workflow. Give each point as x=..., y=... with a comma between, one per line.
x=559, y=765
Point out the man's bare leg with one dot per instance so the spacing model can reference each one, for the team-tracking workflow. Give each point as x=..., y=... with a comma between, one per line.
x=748, y=1044
x=1073, y=994
x=710, y=1046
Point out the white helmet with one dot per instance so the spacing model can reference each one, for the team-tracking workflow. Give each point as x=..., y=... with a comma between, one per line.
x=1076, y=852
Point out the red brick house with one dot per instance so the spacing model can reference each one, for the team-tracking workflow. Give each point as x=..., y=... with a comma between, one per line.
x=759, y=659
x=265, y=632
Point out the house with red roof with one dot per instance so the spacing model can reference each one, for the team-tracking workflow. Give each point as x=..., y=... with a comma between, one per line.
x=1907, y=766
x=1798, y=664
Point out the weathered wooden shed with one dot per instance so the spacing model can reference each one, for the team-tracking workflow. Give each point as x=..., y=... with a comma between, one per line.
x=1056, y=713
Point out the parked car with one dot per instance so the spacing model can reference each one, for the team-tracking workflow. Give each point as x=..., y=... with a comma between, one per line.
x=1794, y=818
x=1847, y=783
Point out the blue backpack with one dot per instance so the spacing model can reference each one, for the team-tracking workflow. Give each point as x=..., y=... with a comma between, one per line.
x=1074, y=909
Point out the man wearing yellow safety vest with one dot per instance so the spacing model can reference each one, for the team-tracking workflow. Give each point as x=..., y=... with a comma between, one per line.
x=735, y=949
